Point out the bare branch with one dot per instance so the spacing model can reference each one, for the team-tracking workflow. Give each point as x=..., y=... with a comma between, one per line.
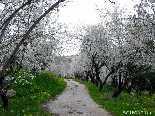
x=112, y=2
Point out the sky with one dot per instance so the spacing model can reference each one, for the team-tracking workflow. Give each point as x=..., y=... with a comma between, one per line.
x=83, y=12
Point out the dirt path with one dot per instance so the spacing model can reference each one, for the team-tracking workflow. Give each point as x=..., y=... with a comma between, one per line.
x=74, y=101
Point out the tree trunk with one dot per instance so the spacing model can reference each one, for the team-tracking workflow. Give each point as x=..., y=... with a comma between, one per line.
x=129, y=89
x=96, y=81
x=92, y=78
x=102, y=84
x=120, y=81
x=121, y=86
x=114, y=82
x=97, y=76
x=86, y=78
x=4, y=99
x=117, y=92
x=132, y=85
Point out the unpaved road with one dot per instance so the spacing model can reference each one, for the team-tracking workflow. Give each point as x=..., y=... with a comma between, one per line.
x=74, y=101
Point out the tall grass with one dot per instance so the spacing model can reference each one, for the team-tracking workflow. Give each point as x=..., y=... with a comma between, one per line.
x=125, y=104
x=32, y=89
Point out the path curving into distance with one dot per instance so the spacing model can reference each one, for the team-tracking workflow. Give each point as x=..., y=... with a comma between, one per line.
x=74, y=101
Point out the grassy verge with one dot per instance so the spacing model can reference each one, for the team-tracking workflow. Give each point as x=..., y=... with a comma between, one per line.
x=125, y=105
x=32, y=89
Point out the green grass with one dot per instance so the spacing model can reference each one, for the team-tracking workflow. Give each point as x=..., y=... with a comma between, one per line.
x=66, y=78
x=32, y=89
x=125, y=105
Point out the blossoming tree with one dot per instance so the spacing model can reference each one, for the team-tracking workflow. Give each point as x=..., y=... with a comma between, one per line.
x=124, y=45
x=17, y=32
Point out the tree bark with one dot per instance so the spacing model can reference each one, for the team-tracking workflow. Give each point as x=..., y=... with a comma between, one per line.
x=98, y=78
x=92, y=79
x=4, y=99
x=117, y=92
x=86, y=77
x=132, y=85
x=120, y=88
x=113, y=70
x=114, y=82
x=92, y=76
x=105, y=80
x=120, y=81
x=101, y=86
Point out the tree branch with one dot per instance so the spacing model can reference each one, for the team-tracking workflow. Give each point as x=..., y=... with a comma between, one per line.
x=6, y=23
x=7, y=63
x=111, y=1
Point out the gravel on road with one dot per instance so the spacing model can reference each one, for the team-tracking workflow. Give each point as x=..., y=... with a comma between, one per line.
x=74, y=101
